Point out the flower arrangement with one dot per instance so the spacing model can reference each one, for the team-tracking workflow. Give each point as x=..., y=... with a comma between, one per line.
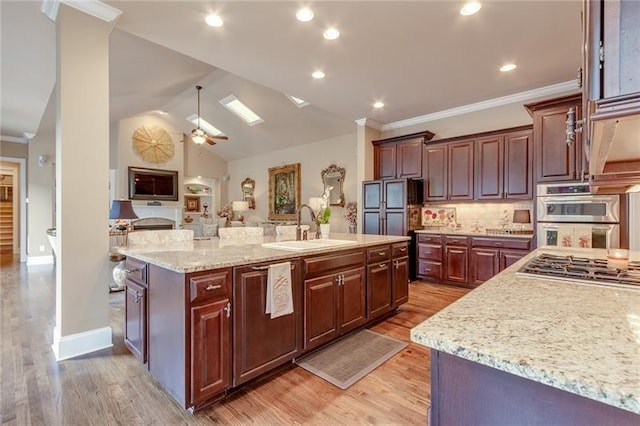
x=324, y=216
x=225, y=211
x=351, y=212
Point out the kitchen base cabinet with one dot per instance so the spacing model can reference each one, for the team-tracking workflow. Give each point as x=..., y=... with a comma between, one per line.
x=400, y=274
x=456, y=260
x=509, y=257
x=484, y=265
x=492, y=255
x=379, y=280
x=429, y=265
x=135, y=327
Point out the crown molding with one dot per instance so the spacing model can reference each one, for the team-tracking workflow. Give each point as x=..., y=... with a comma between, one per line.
x=523, y=97
x=362, y=122
x=14, y=139
x=94, y=8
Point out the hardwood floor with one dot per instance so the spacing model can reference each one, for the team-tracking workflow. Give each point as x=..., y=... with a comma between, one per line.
x=111, y=387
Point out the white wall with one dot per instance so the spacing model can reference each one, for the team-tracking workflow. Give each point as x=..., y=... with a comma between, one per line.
x=634, y=221
x=313, y=158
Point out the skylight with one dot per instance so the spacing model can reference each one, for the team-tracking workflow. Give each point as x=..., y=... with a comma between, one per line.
x=241, y=110
x=204, y=125
x=297, y=101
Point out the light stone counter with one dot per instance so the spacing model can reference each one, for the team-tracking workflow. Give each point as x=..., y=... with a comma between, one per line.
x=583, y=339
x=470, y=233
x=202, y=255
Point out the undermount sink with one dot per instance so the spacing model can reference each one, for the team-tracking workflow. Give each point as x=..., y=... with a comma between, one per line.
x=308, y=244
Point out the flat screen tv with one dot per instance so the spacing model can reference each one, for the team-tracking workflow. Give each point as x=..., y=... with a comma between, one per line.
x=153, y=184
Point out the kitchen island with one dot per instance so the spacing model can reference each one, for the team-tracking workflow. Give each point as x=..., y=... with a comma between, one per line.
x=522, y=350
x=195, y=310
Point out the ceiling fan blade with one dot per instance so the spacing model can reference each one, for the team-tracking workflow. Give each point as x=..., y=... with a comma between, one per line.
x=221, y=137
x=210, y=141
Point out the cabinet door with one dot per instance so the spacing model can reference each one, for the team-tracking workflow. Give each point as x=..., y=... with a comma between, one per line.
x=353, y=310
x=489, y=168
x=460, y=170
x=555, y=159
x=210, y=350
x=135, y=327
x=518, y=165
x=484, y=265
x=435, y=173
x=409, y=159
x=380, y=284
x=509, y=257
x=384, y=158
x=395, y=194
x=320, y=310
x=456, y=261
x=261, y=343
x=372, y=194
x=372, y=222
x=400, y=281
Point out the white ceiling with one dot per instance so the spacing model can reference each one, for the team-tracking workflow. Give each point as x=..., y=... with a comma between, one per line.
x=419, y=57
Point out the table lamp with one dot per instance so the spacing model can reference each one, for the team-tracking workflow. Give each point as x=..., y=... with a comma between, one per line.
x=238, y=207
x=521, y=216
x=122, y=210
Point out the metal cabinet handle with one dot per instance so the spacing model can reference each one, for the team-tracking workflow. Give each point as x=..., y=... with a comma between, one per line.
x=132, y=271
x=138, y=296
x=213, y=287
x=228, y=309
x=381, y=253
x=382, y=265
x=403, y=249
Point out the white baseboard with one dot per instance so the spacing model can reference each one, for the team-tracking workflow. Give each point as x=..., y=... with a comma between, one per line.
x=65, y=347
x=40, y=260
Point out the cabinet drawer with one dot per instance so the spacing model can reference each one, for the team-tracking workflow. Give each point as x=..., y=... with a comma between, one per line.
x=378, y=254
x=430, y=269
x=432, y=239
x=136, y=270
x=324, y=264
x=455, y=241
x=507, y=243
x=399, y=250
x=210, y=286
x=430, y=252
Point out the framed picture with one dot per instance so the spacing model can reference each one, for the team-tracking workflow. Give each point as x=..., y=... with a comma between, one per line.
x=192, y=204
x=284, y=192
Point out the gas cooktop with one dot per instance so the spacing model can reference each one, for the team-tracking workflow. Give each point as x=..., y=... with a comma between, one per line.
x=582, y=270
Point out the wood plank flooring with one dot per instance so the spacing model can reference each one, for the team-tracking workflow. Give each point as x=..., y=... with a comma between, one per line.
x=111, y=387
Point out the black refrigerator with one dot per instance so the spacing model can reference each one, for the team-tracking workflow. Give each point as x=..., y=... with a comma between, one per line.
x=392, y=207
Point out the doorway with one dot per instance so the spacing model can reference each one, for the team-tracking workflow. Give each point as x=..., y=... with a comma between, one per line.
x=13, y=217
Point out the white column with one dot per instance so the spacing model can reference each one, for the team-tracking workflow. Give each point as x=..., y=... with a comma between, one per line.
x=82, y=176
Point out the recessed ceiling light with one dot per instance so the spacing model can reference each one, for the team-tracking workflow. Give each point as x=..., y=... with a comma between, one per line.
x=304, y=15
x=331, y=34
x=317, y=74
x=508, y=67
x=470, y=8
x=378, y=104
x=214, y=20
x=241, y=110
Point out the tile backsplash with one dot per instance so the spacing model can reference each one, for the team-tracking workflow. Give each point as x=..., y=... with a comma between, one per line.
x=487, y=215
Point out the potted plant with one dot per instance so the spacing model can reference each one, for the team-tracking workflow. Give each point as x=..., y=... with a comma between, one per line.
x=323, y=220
x=351, y=215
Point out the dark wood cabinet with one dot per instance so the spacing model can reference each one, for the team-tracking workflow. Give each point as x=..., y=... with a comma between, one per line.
x=456, y=260
x=489, y=167
x=399, y=157
x=261, y=343
x=429, y=255
x=509, y=257
x=379, y=281
x=484, y=265
x=400, y=279
x=435, y=173
x=492, y=255
x=210, y=350
x=555, y=159
x=460, y=170
x=352, y=300
x=135, y=327
x=385, y=205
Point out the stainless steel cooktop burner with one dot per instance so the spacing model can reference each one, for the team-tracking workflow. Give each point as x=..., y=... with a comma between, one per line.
x=583, y=270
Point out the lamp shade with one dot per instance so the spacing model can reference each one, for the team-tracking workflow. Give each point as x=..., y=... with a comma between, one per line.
x=521, y=216
x=240, y=206
x=315, y=203
x=122, y=209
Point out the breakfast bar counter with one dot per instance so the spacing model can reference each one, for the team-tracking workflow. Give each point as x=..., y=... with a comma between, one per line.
x=582, y=339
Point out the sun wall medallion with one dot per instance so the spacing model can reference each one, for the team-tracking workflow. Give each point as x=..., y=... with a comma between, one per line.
x=153, y=144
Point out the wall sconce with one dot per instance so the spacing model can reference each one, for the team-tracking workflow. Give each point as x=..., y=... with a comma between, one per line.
x=42, y=160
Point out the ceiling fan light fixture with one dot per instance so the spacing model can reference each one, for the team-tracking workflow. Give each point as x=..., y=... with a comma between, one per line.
x=198, y=137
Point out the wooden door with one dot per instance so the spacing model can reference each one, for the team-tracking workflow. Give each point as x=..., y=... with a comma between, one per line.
x=210, y=350
x=435, y=173
x=460, y=170
x=353, y=310
x=379, y=278
x=384, y=160
x=400, y=281
x=509, y=257
x=135, y=327
x=518, y=165
x=456, y=261
x=484, y=265
x=320, y=310
x=261, y=343
x=489, y=168
x=409, y=158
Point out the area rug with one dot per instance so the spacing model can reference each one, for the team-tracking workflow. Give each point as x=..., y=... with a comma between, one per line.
x=349, y=360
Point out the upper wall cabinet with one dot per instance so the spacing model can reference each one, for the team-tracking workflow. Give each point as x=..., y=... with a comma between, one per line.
x=399, y=157
x=448, y=173
x=557, y=160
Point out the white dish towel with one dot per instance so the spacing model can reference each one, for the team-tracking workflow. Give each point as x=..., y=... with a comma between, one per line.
x=279, y=296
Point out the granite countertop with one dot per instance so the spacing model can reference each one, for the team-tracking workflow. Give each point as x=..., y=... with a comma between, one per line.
x=471, y=233
x=201, y=255
x=583, y=339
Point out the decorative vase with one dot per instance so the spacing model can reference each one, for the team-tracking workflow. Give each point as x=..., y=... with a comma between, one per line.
x=324, y=229
x=353, y=229
x=222, y=222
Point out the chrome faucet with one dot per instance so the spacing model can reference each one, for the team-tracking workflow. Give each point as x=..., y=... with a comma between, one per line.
x=313, y=218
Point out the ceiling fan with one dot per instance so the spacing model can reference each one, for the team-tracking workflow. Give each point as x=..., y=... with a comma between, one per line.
x=199, y=136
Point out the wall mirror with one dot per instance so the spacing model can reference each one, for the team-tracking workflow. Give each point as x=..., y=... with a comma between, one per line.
x=248, y=186
x=334, y=176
